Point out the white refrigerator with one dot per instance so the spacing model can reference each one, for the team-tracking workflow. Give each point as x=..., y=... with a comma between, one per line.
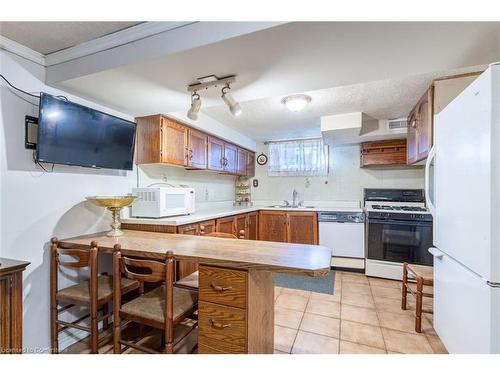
x=463, y=193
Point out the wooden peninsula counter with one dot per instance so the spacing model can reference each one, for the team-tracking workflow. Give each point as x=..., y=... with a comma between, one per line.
x=236, y=285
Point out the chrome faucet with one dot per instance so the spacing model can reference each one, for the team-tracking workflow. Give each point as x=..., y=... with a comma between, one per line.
x=295, y=196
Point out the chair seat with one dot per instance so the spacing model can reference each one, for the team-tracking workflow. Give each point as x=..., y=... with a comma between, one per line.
x=189, y=282
x=79, y=293
x=426, y=272
x=151, y=305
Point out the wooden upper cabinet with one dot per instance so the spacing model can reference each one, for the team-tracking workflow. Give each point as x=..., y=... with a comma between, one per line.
x=197, y=149
x=380, y=153
x=250, y=164
x=273, y=226
x=420, y=128
x=226, y=225
x=253, y=226
x=215, y=154
x=230, y=158
x=302, y=227
x=148, y=140
x=174, y=142
x=241, y=166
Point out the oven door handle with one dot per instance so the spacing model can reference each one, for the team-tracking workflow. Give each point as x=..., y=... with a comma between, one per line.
x=399, y=222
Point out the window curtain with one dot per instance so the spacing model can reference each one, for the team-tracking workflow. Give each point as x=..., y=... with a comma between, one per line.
x=307, y=157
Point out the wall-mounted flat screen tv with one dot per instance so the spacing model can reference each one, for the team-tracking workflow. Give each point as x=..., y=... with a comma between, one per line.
x=72, y=134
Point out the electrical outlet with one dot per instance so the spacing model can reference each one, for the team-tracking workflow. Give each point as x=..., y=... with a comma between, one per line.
x=164, y=177
x=206, y=194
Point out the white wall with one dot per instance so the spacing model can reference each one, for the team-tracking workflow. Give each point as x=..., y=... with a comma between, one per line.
x=345, y=181
x=35, y=206
x=208, y=186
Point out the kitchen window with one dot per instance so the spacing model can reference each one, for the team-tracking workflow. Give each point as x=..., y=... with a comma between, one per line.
x=306, y=157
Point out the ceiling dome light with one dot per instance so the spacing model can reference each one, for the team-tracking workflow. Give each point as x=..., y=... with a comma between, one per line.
x=195, y=107
x=233, y=105
x=296, y=103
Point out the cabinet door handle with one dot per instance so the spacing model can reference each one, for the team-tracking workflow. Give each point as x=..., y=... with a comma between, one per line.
x=190, y=154
x=221, y=288
x=219, y=325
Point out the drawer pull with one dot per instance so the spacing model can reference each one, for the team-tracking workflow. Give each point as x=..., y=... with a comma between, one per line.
x=219, y=325
x=221, y=288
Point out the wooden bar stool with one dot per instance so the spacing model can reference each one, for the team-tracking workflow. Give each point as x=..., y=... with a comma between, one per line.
x=94, y=293
x=191, y=282
x=162, y=308
x=423, y=276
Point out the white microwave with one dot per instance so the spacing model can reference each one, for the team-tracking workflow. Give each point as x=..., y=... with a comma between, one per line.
x=158, y=202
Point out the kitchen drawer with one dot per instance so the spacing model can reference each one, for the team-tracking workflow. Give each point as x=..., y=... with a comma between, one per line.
x=223, y=286
x=222, y=327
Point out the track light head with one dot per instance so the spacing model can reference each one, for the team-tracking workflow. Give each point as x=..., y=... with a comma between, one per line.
x=233, y=105
x=192, y=113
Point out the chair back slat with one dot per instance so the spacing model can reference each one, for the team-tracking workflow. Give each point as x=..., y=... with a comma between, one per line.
x=148, y=271
x=79, y=258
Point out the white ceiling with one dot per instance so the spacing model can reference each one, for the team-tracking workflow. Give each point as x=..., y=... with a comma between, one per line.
x=49, y=37
x=377, y=68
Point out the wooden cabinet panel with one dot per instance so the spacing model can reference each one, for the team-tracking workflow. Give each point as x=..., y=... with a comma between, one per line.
x=174, y=142
x=148, y=140
x=251, y=164
x=220, y=326
x=206, y=227
x=273, y=226
x=188, y=229
x=253, y=228
x=420, y=128
x=226, y=225
x=303, y=227
x=223, y=286
x=241, y=223
x=230, y=157
x=379, y=153
x=241, y=166
x=197, y=149
x=11, y=305
x=215, y=154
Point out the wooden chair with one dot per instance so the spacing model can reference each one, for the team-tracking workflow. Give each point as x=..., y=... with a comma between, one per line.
x=190, y=282
x=94, y=293
x=422, y=276
x=163, y=307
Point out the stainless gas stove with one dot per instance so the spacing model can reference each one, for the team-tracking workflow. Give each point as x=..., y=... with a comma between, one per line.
x=398, y=230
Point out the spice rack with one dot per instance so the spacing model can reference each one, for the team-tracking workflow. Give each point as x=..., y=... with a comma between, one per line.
x=243, y=192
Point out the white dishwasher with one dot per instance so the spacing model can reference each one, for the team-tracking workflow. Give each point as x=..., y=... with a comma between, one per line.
x=344, y=233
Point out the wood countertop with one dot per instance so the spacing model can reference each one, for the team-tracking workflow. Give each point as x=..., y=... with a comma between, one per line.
x=11, y=265
x=312, y=260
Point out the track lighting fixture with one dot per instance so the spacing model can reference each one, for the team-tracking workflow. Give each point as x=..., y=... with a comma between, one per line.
x=209, y=82
x=195, y=106
x=233, y=105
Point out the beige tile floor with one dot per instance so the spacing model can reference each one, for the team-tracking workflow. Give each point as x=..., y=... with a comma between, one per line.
x=363, y=316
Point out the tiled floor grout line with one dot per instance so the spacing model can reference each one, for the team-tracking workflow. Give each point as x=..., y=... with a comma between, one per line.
x=300, y=323
x=378, y=317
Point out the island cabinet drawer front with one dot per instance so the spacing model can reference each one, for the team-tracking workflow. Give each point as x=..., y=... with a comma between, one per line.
x=222, y=327
x=223, y=286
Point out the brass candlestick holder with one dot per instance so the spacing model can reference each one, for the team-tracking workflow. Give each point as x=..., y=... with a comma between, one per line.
x=115, y=205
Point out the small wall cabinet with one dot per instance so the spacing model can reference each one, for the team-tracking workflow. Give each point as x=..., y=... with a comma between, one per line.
x=383, y=153
x=420, y=123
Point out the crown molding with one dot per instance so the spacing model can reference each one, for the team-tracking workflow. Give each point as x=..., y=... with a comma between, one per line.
x=22, y=51
x=119, y=38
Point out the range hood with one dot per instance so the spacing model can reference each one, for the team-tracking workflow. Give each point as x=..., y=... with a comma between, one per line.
x=357, y=127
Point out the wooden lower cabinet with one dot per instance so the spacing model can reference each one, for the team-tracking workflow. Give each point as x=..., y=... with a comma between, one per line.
x=236, y=311
x=303, y=227
x=253, y=226
x=226, y=225
x=206, y=227
x=272, y=226
x=289, y=226
x=11, y=305
x=241, y=225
